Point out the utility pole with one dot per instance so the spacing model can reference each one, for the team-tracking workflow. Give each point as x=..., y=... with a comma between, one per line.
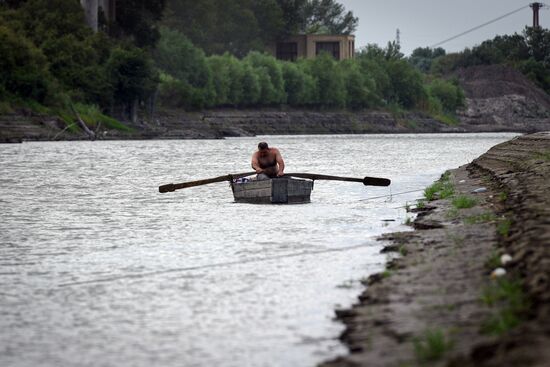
x=398, y=37
x=536, y=7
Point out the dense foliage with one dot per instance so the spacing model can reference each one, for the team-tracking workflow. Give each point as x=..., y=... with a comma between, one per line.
x=50, y=56
x=239, y=26
x=528, y=52
x=378, y=77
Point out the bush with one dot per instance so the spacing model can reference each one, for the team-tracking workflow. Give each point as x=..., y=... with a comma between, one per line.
x=449, y=94
x=331, y=91
x=271, y=77
x=132, y=74
x=23, y=68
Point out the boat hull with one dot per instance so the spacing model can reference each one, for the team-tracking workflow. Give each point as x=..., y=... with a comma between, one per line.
x=273, y=191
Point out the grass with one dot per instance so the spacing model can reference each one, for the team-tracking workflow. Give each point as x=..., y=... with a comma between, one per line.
x=545, y=156
x=408, y=221
x=421, y=204
x=386, y=273
x=5, y=108
x=509, y=302
x=493, y=261
x=464, y=202
x=441, y=189
x=447, y=119
x=503, y=196
x=432, y=346
x=93, y=116
x=503, y=227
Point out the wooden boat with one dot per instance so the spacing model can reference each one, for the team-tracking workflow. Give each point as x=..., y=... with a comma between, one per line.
x=281, y=190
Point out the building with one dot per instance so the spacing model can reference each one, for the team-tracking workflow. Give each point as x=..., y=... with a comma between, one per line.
x=308, y=46
x=93, y=9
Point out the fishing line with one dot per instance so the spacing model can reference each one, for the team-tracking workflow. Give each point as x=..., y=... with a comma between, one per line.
x=391, y=195
x=211, y=266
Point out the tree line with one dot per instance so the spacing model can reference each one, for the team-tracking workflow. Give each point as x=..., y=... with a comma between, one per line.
x=376, y=78
x=529, y=52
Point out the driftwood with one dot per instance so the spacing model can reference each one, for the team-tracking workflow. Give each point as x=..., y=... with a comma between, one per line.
x=83, y=125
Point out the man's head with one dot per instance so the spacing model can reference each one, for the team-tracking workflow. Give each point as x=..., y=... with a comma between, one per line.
x=262, y=146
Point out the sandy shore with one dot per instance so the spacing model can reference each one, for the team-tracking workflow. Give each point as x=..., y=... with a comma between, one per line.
x=440, y=302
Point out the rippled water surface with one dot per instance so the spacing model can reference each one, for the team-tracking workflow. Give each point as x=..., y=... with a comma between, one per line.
x=99, y=269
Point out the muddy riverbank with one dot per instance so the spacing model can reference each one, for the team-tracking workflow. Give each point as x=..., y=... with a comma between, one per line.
x=441, y=301
x=218, y=124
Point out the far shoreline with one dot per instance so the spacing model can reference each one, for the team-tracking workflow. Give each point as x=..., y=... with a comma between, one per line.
x=227, y=123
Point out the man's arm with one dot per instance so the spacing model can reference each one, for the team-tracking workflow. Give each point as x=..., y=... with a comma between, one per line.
x=255, y=164
x=280, y=162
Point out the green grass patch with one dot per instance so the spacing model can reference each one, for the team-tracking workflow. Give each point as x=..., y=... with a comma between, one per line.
x=545, y=155
x=432, y=346
x=421, y=204
x=509, y=304
x=447, y=119
x=480, y=218
x=464, y=202
x=92, y=116
x=503, y=196
x=503, y=227
x=5, y=108
x=493, y=261
x=386, y=273
x=442, y=189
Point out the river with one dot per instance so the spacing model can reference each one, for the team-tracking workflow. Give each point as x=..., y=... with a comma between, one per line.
x=99, y=269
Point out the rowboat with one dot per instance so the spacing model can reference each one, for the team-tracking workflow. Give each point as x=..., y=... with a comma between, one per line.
x=280, y=190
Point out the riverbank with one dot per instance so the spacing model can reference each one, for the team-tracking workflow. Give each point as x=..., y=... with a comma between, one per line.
x=218, y=124
x=442, y=301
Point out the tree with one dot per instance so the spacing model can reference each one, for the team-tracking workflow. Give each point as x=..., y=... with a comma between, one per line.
x=137, y=19
x=422, y=58
x=23, y=68
x=328, y=15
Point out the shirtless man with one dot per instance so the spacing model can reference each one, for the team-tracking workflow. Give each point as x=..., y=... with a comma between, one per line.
x=267, y=162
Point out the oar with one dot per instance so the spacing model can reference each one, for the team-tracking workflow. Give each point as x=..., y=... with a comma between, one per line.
x=371, y=181
x=172, y=187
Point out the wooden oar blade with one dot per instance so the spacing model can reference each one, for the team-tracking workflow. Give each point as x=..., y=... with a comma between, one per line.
x=167, y=188
x=376, y=181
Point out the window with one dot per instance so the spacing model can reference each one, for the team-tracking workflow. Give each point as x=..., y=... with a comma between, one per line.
x=287, y=51
x=333, y=48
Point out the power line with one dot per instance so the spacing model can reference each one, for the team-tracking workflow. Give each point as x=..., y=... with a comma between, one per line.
x=479, y=26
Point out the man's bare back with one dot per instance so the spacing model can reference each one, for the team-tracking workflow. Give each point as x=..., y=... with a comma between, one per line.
x=268, y=161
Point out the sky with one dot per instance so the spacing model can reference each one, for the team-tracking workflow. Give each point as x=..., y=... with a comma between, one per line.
x=424, y=23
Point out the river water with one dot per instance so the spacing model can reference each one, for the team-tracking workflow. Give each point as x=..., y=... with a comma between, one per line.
x=99, y=269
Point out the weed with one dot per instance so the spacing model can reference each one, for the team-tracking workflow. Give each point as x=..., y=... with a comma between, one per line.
x=421, y=204
x=493, y=261
x=386, y=273
x=452, y=213
x=480, y=218
x=432, y=346
x=403, y=251
x=503, y=228
x=5, y=108
x=407, y=207
x=443, y=188
x=464, y=202
x=457, y=240
x=545, y=156
x=447, y=119
x=408, y=221
x=503, y=196
x=510, y=303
